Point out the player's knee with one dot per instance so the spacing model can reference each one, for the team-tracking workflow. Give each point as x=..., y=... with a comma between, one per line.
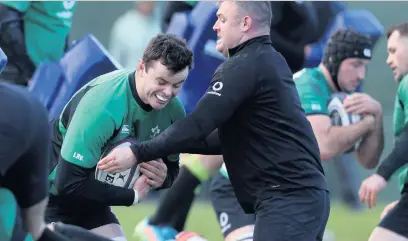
x=381, y=234
x=245, y=233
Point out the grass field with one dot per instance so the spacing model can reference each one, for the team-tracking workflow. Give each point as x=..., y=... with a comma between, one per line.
x=346, y=225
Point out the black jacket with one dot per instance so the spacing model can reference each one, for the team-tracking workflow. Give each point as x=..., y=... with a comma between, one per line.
x=251, y=114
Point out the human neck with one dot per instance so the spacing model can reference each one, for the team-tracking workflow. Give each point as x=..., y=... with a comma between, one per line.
x=139, y=89
x=328, y=77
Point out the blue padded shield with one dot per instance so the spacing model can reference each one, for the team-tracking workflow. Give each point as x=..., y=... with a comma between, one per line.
x=84, y=61
x=3, y=60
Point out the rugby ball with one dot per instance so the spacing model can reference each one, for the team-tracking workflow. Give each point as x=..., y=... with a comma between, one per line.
x=124, y=179
x=339, y=115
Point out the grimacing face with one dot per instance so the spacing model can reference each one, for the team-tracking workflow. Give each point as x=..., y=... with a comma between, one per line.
x=229, y=27
x=159, y=85
x=351, y=72
x=397, y=48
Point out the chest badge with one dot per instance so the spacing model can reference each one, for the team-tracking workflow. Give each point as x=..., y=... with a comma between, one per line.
x=155, y=131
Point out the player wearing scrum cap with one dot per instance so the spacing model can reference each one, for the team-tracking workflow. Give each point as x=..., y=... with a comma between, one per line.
x=343, y=68
x=139, y=103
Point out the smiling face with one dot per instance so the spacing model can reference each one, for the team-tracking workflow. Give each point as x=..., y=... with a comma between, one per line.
x=397, y=48
x=158, y=85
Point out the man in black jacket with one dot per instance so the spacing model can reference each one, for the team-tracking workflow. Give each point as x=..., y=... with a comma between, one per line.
x=251, y=114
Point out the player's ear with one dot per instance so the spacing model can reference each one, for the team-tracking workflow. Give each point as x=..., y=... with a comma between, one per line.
x=246, y=23
x=141, y=67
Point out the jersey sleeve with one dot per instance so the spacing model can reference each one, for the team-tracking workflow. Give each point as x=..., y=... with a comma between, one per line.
x=21, y=6
x=399, y=155
x=90, y=127
x=402, y=93
x=312, y=101
x=228, y=89
x=86, y=135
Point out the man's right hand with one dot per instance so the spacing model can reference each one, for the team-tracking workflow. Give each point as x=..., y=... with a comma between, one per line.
x=142, y=187
x=119, y=160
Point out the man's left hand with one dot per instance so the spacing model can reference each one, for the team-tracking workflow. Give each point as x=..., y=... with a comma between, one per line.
x=119, y=160
x=361, y=104
x=370, y=188
x=155, y=171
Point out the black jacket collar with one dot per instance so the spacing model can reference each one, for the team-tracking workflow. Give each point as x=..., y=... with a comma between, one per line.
x=264, y=39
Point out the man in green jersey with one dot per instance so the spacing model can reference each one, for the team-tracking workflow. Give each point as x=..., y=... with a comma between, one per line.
x=394, y=223
x=112, y=107
x=343, y=67
x=33, y=32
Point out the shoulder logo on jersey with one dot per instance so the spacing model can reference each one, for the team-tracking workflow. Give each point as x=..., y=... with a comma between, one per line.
x=125, y=129
x=155, y=132
x=217, y=86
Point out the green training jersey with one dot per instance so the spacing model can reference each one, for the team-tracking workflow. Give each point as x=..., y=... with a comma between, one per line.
x=8, y=218
x=400, y=121
x=106, y=111
x=46, y=27
x=314, y=90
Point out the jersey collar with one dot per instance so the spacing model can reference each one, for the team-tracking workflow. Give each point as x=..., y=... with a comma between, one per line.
x=326, y=82
x=264, y=39
x=132, y=83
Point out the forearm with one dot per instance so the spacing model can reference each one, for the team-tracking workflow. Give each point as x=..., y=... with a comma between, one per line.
x=33, y=218
x=178, y=138
x=371, y=146
x=74, y=181
x=339, y=139
x=210, y=146
x=397, y=158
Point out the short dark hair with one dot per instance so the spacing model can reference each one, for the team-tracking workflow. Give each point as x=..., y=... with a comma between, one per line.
x=402, y=28
x=260, y=11
x=171, y=50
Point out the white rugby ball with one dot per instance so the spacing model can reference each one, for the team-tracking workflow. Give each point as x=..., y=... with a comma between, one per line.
x=339, y=115
x=124, y=179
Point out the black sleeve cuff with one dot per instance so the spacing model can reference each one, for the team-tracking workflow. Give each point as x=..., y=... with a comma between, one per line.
x=397, y=158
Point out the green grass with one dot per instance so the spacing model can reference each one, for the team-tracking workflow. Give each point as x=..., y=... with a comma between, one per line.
x=346, y=225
